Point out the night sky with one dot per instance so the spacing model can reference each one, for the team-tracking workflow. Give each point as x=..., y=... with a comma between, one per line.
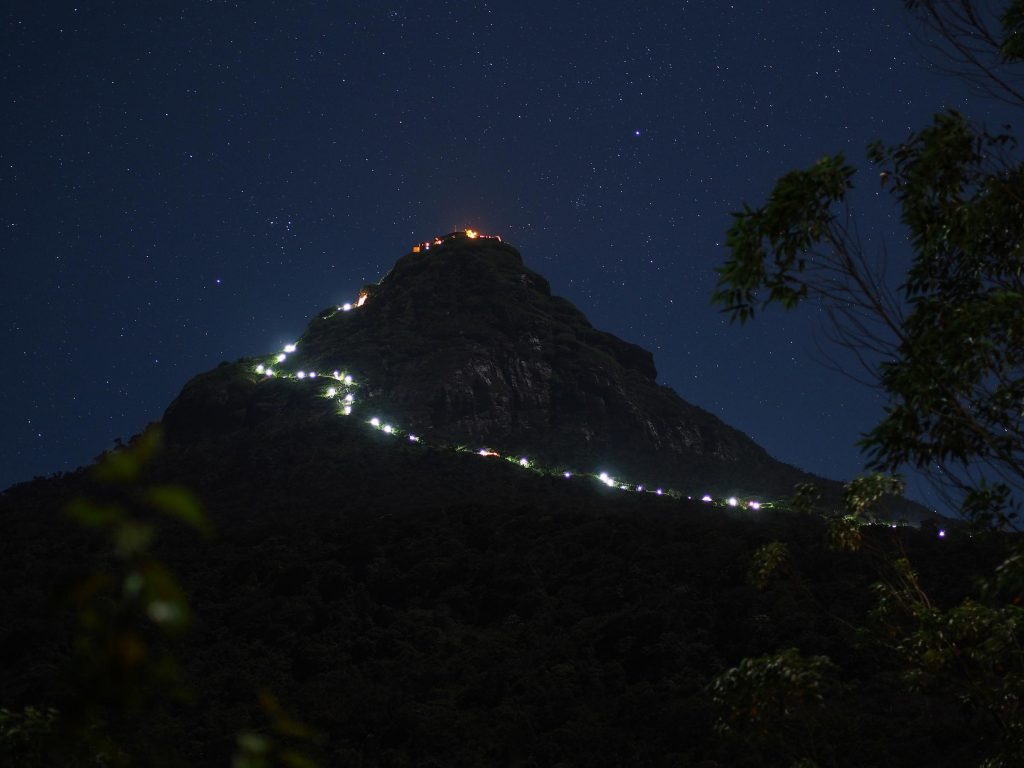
x=189, y=185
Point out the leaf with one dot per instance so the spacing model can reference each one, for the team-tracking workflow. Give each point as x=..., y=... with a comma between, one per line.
x=254, y=743
x=166, y=604
x=132, y=538
x=180, y=503
x=294, y=759
x=118, y=466
x=94, y=515
x=281, y=721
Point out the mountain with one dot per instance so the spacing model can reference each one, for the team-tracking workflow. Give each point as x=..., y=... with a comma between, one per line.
x=416, y=603
x=463, y=345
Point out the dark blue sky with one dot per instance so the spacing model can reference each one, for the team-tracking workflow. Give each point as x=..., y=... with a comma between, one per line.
x=180, y=187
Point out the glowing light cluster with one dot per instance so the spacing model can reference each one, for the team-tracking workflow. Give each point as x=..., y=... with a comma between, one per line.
x=472, y=234
x=330, y=393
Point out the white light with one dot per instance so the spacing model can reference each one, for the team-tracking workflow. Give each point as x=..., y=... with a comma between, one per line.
x=640, y=489
x=337, y=374
x=706, y=497
x=300, y=375
x=260, y=369
x=482, y=451
x=603, y=477
x=269, y=372
x=281, y=357
x=346, y=307
x=732, y=501
x=942, y=533
x=348, y=379
x=349, y=399
x=375, y=421
x=755, y=505
x=289, y=348
x=347, y=410
x=331, y=392
x=312, y=374
x=524, y=463
x=388, y=428
x=567, y=475
x=659, y=491
x=414, y=438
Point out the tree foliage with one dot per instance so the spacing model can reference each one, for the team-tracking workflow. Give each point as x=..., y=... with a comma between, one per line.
x=973, y=649
x=780, y=700
x=945, y=344
x=769, y=562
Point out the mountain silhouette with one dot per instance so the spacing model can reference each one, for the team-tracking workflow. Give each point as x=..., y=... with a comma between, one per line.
x=451, y=528
x=462, y=345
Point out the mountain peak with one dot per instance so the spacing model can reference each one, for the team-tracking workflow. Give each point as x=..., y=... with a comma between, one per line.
x=456, y=237
x=463, y=344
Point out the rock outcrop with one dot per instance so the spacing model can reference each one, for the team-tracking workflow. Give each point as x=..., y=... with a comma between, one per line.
x=464, y=344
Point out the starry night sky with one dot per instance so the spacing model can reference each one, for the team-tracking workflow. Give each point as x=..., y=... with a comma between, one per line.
x=181, y=186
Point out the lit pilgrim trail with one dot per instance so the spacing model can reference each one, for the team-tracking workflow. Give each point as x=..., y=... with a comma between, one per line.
x=343, y=392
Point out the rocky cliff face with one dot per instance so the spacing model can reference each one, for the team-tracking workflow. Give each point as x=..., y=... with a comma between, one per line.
x=465, y=345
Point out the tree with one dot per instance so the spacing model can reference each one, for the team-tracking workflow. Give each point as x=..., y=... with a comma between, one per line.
x=947, y=343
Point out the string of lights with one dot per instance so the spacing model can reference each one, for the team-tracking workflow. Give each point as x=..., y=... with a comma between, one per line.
x=343, y=391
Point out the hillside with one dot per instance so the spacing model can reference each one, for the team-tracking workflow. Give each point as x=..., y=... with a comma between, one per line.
x=475, y=537
x=462, y=345
x=424, y=607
